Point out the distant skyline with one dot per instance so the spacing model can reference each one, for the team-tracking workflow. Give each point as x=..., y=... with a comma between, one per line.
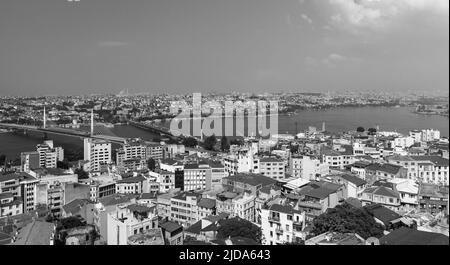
x=56, y=47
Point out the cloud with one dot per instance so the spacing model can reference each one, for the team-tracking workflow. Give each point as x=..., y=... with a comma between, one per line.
x=332, y=60
x=112, y=44
x=379, y=14
x=306, y=18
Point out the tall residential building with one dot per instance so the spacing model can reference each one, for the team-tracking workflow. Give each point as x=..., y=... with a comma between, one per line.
x=131, y=149
x=307, y=167
x=49, y=155
x=184, y=208
x=272, y=168
x=29, y=161
x=97, y=152
x=430, y=135
x=197, y=177
x=21, y=185
x=154, y=151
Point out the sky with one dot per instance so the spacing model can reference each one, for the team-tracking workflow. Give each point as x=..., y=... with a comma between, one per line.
x=57, y=47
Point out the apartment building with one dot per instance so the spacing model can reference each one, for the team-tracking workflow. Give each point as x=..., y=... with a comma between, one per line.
x=10, y=205
x=49, y=155
x=307, y=167
x=381, y=195
x=282, y=224
x=132, y=185
x=128, y=221
x=385, y=171
x=206, y=207
x=217, y=174
x=21, y=185
x=424, y=169
x=353, y=185
x=165, y=179
x=244, y=207
x=184, y=208
x=337, y=159
x=132, y=150
x=272, y=167
x=247, y=182
x=51, y=195
x=197, y=177
x=97, y=152
x=29, y=161
x=107, y=205
x=155, y=151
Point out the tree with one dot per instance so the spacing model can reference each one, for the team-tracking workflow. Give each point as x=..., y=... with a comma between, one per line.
x=372, y=131
x=237, y=227
x=224, y=145
x=190, y=142
x=210, y=142
x=347, y=219
x=294, y=149
x=63, y=164
x=151, y=164
x=360, y=129
x=2, y=159
x=81, y=173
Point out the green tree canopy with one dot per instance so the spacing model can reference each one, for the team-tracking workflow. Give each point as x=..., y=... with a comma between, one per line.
x=224, y=145
x=372, y=131
x=210, y=142
x=237, y=227
x=190, y=142
x=347, y=219
x=81, y=173
x=151, y=164
x=360, y=129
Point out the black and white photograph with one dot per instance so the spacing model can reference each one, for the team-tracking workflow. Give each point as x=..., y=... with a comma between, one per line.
x=211, y=131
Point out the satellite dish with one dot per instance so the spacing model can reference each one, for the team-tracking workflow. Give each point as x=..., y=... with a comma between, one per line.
x=373, y=241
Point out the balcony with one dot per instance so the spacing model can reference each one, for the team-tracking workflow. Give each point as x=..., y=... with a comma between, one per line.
x=279, y=230
x=274, y=219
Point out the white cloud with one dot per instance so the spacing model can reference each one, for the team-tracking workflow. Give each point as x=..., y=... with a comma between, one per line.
x=378, y=14
x=332, y=60
x=306, y=18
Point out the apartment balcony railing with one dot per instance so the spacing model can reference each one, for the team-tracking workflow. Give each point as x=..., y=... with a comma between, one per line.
x=274, y=219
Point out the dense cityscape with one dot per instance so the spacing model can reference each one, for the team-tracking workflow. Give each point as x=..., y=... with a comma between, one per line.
x=224, y=131
x=360, y=187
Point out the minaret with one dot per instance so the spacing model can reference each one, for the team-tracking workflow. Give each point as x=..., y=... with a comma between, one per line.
x=45, y=119
x=92, y=122
x=323, y=127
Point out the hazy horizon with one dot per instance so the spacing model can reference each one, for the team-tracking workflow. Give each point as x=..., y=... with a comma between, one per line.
x=56, y=47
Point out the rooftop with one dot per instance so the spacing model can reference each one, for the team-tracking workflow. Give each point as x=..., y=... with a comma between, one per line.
x=252, y=179
x=407, y=236
x=354, y=179
x=382, y=213
x=170, y=226
x=116, y=199
x=148, y=237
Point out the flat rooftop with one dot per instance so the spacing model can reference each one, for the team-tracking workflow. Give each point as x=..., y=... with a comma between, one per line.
x=149, y=237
